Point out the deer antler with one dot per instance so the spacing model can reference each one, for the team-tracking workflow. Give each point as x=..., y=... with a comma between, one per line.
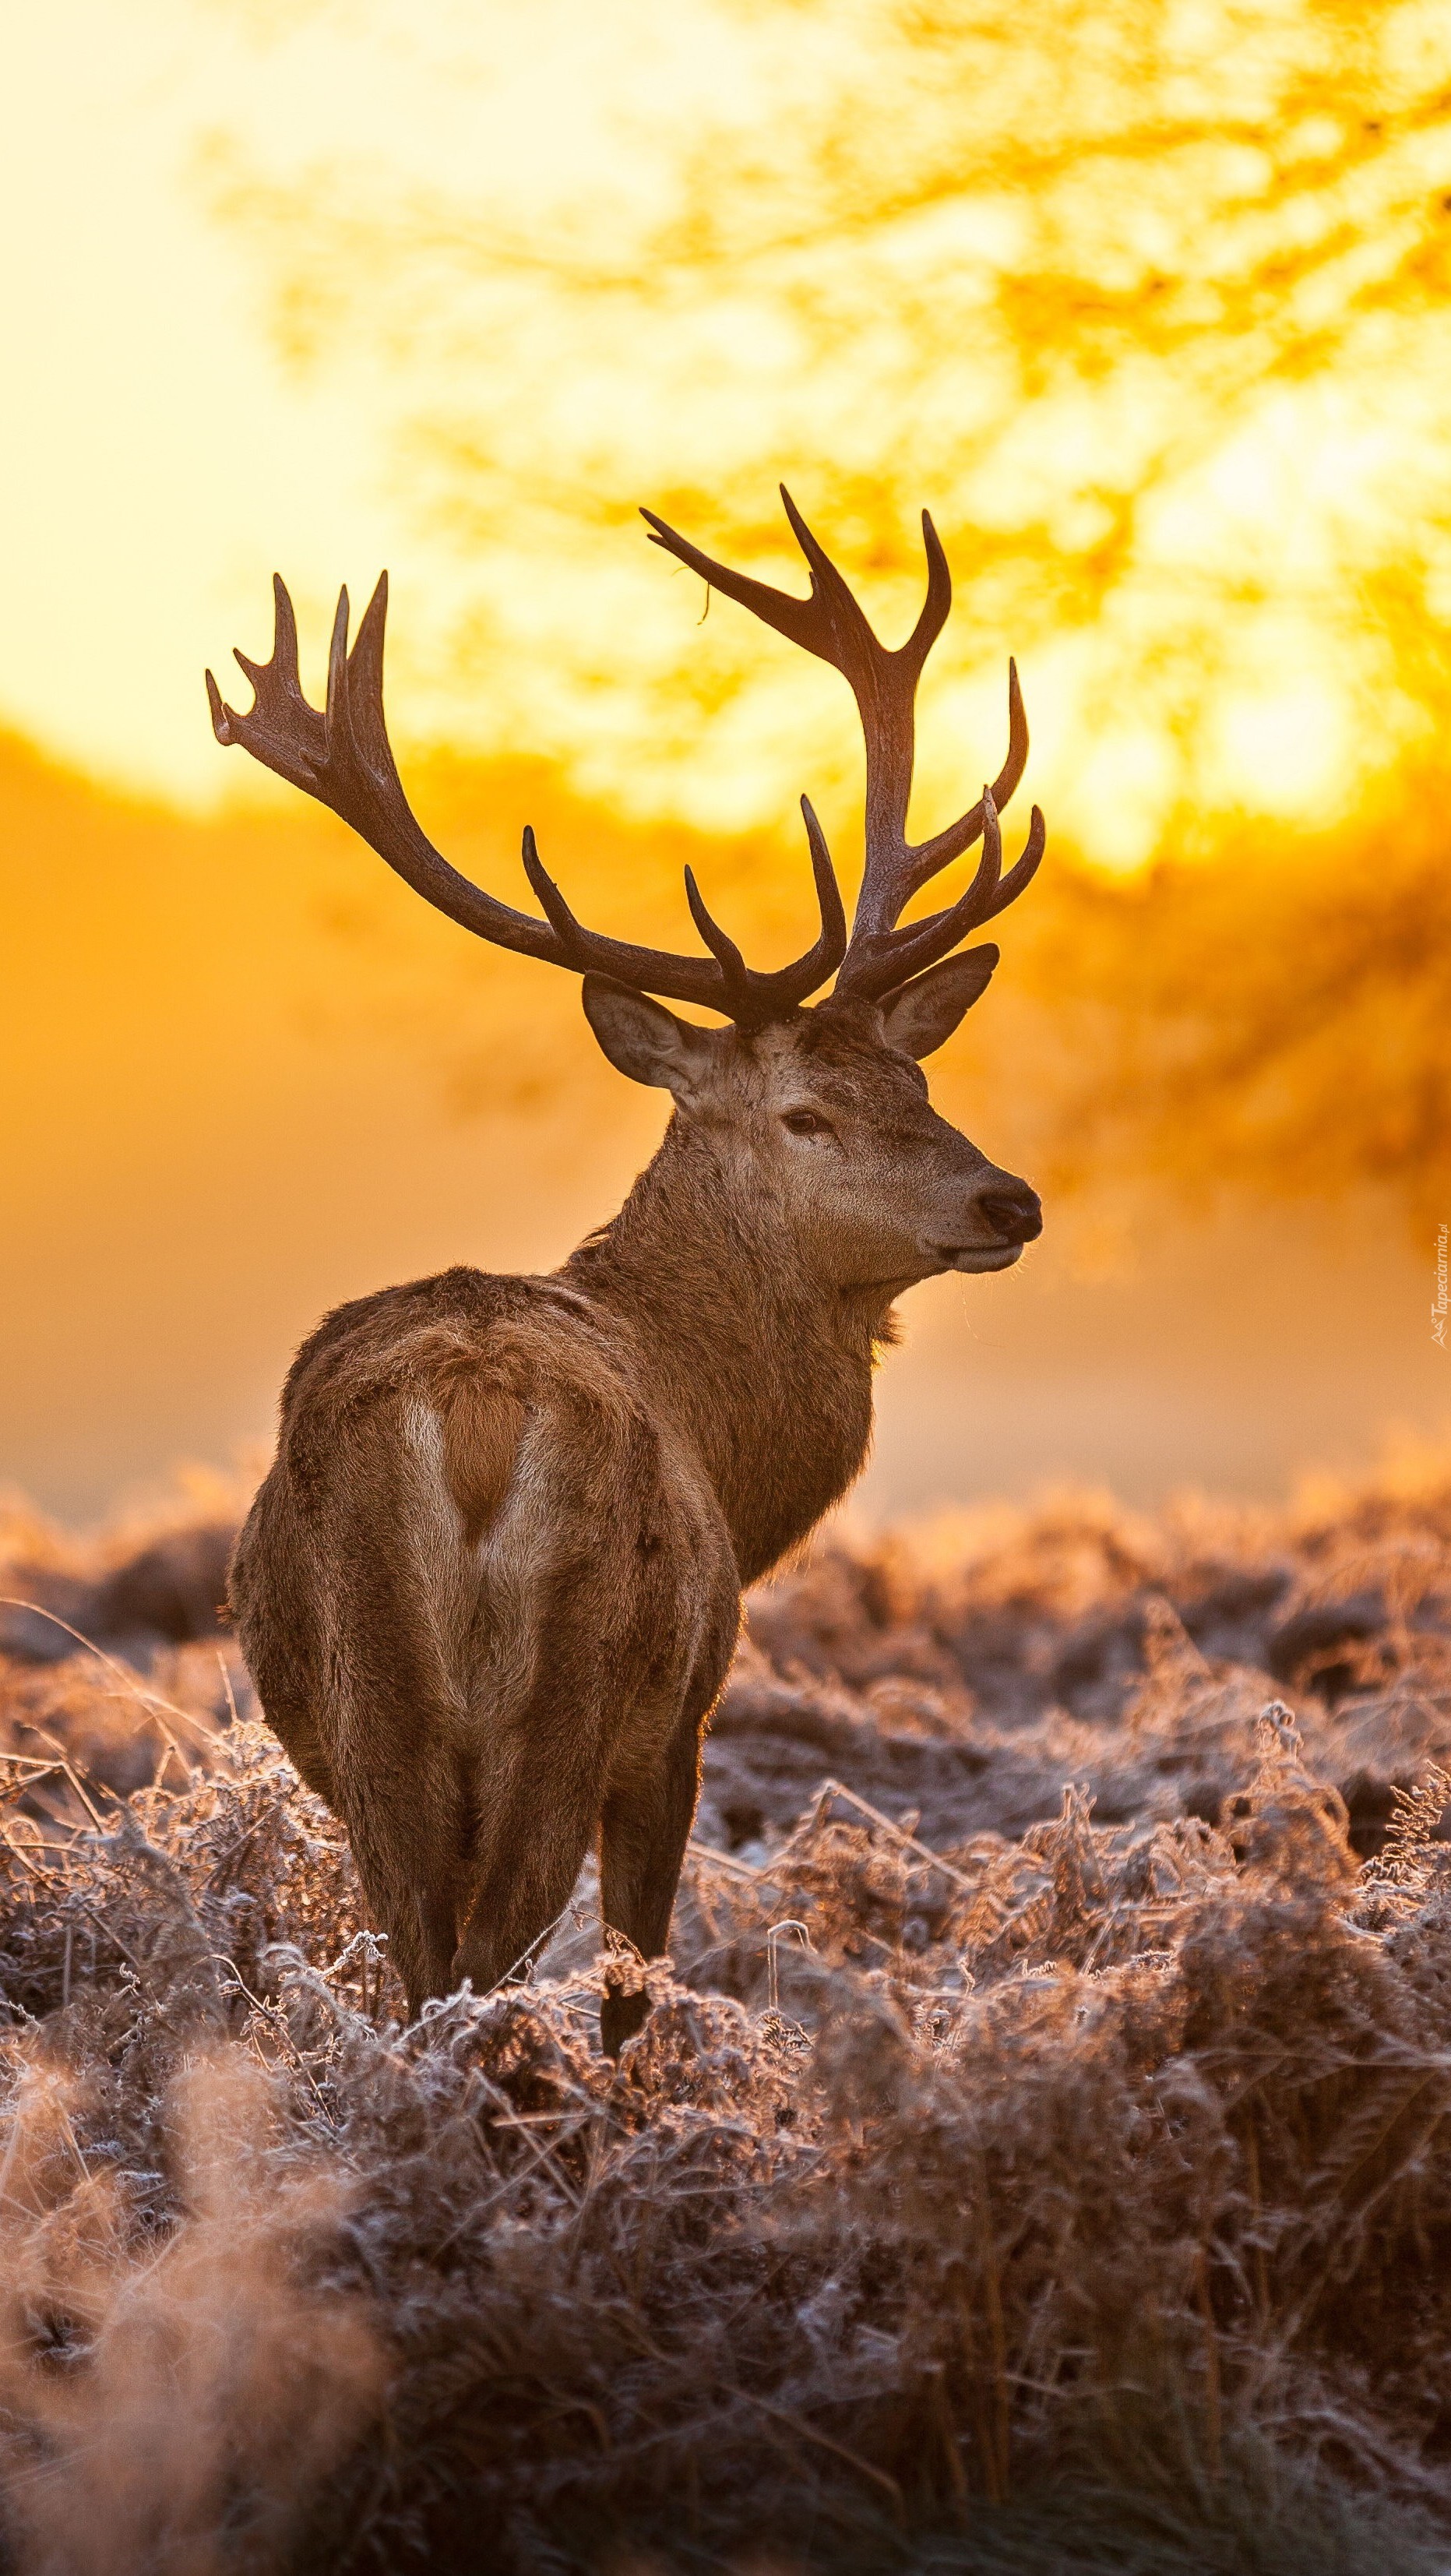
x=830, y=623
x=343, y=757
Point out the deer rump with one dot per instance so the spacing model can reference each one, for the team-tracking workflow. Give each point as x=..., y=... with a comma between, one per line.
x=489, y=1604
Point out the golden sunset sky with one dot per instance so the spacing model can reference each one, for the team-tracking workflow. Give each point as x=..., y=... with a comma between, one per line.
x=1149, y=301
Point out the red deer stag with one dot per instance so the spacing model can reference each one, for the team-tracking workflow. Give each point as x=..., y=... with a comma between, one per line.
x=490, y=1589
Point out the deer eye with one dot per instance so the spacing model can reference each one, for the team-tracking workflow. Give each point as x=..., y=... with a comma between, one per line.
x=804, y=1122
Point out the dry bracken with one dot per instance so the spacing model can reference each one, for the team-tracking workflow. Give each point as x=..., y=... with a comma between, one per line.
x=1037, y=2155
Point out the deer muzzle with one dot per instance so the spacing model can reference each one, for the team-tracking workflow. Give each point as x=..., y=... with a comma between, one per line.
x=1000, y=1217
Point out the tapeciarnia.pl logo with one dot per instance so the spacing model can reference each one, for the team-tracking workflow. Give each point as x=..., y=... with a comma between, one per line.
x=1438, y=1302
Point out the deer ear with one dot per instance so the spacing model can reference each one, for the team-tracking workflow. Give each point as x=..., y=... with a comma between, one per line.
x=647, y=1042
x=920, y=1016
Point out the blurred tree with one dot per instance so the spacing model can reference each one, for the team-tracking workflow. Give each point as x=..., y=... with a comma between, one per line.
x=1276, y=1021
x=1149, y=298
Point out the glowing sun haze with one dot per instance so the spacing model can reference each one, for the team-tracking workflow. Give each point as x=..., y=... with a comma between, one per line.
x=1146, y=302
x=1150, y=303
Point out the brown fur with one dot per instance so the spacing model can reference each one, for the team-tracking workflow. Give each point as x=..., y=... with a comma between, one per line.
x=482, y=1428
x=491, y=1587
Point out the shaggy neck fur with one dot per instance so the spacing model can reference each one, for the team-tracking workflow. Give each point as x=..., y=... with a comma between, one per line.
x=768, y=1372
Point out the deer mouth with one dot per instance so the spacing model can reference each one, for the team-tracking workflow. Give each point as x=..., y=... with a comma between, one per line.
x=974, y=1257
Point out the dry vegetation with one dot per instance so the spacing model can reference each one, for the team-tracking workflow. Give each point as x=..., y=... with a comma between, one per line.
x=1038, y=2157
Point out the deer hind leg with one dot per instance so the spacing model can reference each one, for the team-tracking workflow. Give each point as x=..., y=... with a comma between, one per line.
x=410, y=1835
x=538, y=1804
x=648, y=1810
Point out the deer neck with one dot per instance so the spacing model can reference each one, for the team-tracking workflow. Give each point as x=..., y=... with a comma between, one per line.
x=768, y=1374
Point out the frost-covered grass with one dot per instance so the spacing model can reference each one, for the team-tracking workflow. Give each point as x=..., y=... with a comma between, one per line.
x=1038, y=2156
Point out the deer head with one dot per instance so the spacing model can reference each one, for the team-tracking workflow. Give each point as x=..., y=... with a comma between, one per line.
x=817, y=1114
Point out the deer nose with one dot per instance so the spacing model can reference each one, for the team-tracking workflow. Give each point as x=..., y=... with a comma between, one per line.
x=1014, y=1212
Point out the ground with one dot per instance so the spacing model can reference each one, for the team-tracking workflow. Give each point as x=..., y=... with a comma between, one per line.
x=1037, y=2156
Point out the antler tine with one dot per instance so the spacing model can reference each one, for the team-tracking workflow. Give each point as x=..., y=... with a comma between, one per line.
x=570, y=933
x=860, y=653
x=722, y=947
x=282, y=731
x=832, y=942
x=928, y=858
x=758, y=996
x=831, y=624
x=879, y=961
x=799, y=620
x=342, y=756
x=1024, y=870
